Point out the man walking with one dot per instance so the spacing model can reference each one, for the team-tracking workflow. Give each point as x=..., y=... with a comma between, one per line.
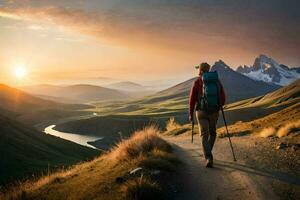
x=207, y=96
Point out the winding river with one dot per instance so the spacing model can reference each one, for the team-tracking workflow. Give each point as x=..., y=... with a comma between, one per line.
x=79, y=139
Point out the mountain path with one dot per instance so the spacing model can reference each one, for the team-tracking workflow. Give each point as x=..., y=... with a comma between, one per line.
x=227, y=180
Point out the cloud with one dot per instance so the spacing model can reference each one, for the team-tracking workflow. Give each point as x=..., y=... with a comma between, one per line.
x=50, y=14
x=104, y=26
x=68, y=39
x=202, y=29
x=10, y=15
x=36, y=27
x=75, y=20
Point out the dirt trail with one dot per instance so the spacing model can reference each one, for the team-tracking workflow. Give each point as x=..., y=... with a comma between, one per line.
x=227, y=180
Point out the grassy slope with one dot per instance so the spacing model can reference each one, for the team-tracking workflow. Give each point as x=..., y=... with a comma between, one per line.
x=284, y=96
x=107, y=177
x=25, y=151
x=275, y=120
x=251, y=109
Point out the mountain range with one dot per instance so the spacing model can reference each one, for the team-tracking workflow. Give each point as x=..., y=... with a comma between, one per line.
x=174, y=100
x=126, y=86
x=82, y=93
x=268, y=70
x=237, y=86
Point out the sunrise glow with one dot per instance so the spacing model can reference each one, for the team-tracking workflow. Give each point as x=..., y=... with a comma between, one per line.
x=20, y=72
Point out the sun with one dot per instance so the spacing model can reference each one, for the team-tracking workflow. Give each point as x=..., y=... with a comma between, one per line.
x=20, y=72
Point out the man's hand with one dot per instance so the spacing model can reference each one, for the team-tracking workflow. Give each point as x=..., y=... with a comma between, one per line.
x=191, y=118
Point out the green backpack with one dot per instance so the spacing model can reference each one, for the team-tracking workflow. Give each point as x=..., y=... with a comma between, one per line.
x=210, y=101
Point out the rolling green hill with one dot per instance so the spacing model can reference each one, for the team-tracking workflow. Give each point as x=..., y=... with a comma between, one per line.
x=287, y=95
x=25, y=151
x=261, y=106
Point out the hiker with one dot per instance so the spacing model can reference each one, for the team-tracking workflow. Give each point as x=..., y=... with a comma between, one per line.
x=206, y=97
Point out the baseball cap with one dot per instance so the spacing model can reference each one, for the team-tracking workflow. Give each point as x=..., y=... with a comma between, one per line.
x=202, y=65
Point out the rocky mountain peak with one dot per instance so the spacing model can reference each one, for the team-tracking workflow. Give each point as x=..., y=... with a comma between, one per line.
x=220, y=66
x=268, y=70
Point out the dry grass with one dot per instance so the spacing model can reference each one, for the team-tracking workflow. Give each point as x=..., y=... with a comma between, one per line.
x=20, y=190
x=172, y=124
x=144, y=149
x=141, y=143
x=180, y=130
x=267, y=132
x=283, y=131
x=141, y=188
x=160, y=160
x=288, y=128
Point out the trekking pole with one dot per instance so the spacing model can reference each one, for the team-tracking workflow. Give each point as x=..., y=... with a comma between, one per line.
x=233, y=154
x=193, y=124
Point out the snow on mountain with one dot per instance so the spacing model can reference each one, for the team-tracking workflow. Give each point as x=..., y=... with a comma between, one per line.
x=268, y=70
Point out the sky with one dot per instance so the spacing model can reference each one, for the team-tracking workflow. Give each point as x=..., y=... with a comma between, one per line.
x=145, y=41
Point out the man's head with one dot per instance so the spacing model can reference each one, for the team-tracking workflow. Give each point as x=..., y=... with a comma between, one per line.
x=203, y=67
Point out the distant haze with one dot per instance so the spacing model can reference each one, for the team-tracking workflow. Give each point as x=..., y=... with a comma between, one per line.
x=141, y=40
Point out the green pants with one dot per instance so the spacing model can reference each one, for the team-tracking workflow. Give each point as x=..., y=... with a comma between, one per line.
x=207, y=129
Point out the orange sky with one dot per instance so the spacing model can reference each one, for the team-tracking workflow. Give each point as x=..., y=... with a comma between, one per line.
x=138, y=41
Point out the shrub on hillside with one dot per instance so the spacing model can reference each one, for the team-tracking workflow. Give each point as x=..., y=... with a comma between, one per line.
x=177, y=131
x=141, y=143
x=150, y=152
x=288, y=128
x=267, y=132
x=142, y=188
x=160, y=160
x=172, y=124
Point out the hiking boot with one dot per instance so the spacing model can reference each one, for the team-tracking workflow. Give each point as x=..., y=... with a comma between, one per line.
x=212, y=160
x=209, y=163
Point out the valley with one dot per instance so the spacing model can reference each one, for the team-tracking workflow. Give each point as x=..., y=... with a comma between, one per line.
x=95, y=127
x=159, y=108
x=26, y=152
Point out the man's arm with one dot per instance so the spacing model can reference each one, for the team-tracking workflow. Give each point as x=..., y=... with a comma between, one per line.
x=193, y=98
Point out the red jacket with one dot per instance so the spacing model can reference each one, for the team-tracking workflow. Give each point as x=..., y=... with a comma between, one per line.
x=196, y=91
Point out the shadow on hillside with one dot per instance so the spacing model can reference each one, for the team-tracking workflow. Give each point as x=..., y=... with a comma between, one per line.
x=255, y=171
x=221, y=165
x=248, y=114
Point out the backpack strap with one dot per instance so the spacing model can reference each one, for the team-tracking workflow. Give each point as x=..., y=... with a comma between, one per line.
x=200, y=97
x=204, y=96
x=201, y=87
